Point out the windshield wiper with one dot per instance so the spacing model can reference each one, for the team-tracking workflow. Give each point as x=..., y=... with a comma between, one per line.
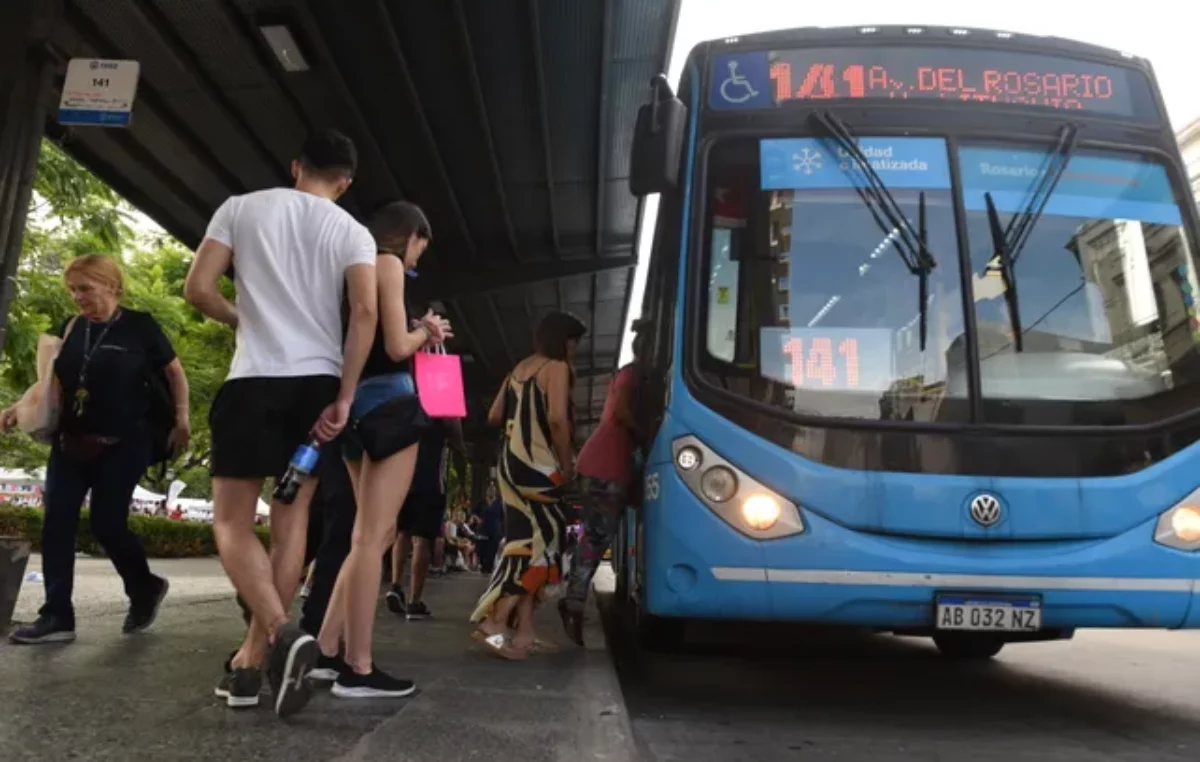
x=1003, y=260
x=1009, y=242
x=910, y=245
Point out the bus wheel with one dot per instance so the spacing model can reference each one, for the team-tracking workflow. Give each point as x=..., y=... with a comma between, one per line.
x=969, y=647
x=661, y=634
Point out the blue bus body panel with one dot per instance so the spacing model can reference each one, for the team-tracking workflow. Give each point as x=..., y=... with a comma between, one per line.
x=935, y=506
x=697, y=565
x=879, y=546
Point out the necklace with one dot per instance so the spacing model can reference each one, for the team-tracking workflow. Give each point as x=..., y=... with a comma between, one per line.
x=89, y=349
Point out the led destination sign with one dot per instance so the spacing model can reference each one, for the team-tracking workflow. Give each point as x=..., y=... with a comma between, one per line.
x=765, y=79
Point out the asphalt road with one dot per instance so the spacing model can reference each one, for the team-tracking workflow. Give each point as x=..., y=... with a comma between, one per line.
x=779, y=693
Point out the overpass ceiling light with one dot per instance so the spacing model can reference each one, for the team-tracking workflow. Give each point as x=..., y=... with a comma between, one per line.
x=279, y=37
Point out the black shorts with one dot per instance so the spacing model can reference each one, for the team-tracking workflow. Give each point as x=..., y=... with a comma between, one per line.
x=423, y=513
x=425, y=507
x=257, y=423
x=390, y=428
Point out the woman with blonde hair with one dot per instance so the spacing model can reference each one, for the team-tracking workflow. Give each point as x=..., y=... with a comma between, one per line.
x=103, y=379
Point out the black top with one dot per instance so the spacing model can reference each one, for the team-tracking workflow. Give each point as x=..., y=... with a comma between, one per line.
x=118, y=398
x=378, y=363
x=429, y=474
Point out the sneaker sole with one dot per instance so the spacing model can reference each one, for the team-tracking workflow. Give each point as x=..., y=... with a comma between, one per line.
x=368, y=693
x=54, y=637
x=417, y=617
x=293, y=692
x=320, y=675
x=236, y=702
x=157, y=608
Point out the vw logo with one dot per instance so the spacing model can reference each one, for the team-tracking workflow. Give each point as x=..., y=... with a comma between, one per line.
x=985, y=509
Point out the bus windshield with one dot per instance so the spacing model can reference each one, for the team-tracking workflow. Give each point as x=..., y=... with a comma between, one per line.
x=811, y=305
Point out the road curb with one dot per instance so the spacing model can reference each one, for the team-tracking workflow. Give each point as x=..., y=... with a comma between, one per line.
x=604, y=730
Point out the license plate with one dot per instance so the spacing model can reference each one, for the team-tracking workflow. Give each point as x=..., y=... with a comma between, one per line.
x=989, y=613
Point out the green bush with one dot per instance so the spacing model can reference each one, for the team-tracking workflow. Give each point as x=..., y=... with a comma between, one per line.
x=161, y=537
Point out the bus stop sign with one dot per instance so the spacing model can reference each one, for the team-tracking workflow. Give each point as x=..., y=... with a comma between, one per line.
x=98, y=92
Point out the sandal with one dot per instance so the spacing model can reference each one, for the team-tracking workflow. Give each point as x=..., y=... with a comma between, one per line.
x=540, y=646
x=501, y=646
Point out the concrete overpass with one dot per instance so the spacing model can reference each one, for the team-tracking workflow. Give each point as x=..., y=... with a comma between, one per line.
x=509, y=121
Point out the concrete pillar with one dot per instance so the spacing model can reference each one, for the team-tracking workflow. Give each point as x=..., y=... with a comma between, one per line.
x=26, y=72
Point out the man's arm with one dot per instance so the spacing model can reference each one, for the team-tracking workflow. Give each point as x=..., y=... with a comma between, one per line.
x=200, y=289
x=363, y=295
x=496, y=412
x=458, y=444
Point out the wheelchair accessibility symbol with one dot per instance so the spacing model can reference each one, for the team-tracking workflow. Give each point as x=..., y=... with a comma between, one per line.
x=736, y=88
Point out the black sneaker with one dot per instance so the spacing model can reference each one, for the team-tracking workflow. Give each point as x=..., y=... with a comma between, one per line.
x=378, y=684
x=395, y=601
x=292, y=657
x=417, y=610
x=144, y=611
x=240, y=688
x=47, y=629
x=328, y=668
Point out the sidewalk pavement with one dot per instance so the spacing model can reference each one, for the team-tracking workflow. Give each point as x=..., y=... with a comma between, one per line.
x=149, y=696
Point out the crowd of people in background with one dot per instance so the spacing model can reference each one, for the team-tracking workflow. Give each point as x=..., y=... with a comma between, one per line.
x=322, y=382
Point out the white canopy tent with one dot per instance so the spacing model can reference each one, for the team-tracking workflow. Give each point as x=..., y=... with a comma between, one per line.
x=144, y=495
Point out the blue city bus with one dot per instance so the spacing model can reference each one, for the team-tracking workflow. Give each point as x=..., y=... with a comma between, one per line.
x=923, y=345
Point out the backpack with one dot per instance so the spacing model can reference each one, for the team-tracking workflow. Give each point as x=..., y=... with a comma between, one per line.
x=160, y=419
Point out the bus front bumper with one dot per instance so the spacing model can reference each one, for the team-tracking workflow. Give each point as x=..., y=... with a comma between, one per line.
x=702, y=568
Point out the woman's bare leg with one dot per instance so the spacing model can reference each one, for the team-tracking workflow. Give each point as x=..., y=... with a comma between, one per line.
x=525, y=634
x=382, y=488
x=497, y=621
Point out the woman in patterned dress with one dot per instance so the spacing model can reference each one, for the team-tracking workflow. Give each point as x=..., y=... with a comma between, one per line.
x=537, y=462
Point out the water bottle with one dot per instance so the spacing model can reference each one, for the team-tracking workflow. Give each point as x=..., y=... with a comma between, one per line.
x=301, y=465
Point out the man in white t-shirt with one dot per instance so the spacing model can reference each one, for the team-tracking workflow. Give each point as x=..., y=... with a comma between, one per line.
x=295, y=254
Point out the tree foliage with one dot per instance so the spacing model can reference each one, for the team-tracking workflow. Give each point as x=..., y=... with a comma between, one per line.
x=73, y=213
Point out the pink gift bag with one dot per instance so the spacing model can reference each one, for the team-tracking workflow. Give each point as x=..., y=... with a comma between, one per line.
x=440, y=384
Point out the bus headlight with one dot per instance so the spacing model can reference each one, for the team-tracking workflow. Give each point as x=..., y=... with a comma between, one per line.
x=761, y=511
x=732, y=494
x=1179, y=527
x=719, y=484
x=688, y=458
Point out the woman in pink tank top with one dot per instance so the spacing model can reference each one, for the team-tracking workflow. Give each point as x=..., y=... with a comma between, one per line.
x=605, y=468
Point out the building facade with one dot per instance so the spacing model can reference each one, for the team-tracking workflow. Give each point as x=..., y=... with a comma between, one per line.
x=1189, y=144
x=21, y=487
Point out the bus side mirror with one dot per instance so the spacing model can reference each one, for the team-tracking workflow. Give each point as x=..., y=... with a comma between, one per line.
x=657, y=141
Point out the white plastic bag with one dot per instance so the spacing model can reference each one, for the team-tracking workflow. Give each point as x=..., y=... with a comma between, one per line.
x=39, y=408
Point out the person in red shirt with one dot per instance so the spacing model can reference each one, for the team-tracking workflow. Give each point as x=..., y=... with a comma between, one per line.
x=605, y=468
